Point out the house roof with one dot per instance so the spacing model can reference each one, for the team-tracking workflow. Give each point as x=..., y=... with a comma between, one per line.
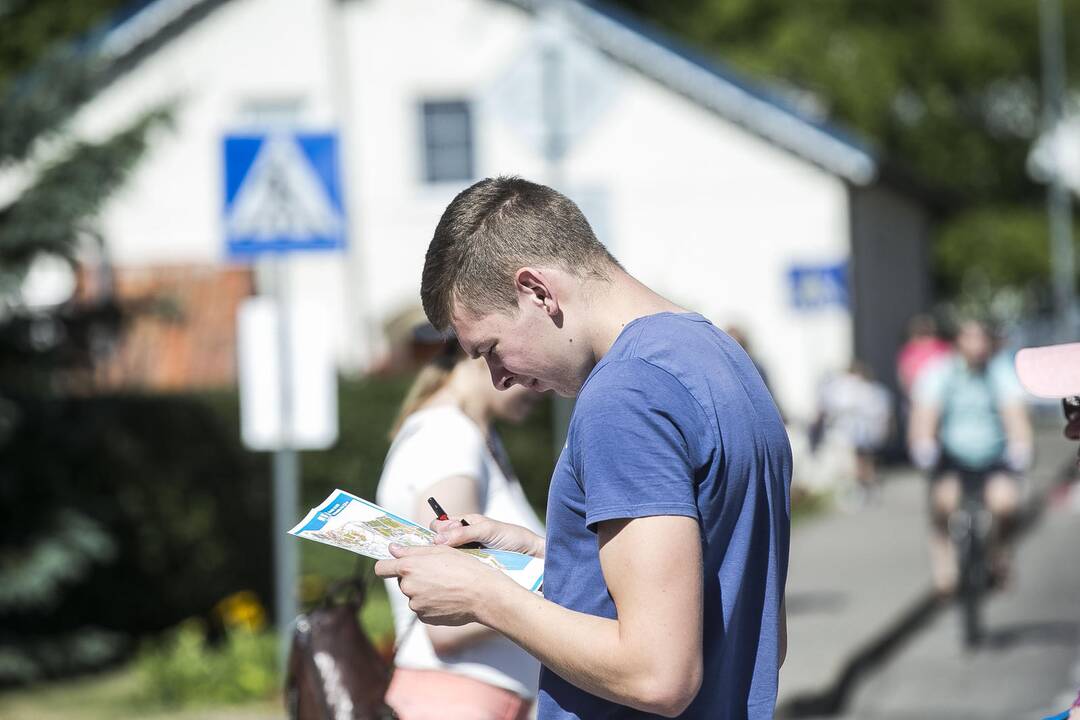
x=620, y=36
x=713, y=85
x=182, y=334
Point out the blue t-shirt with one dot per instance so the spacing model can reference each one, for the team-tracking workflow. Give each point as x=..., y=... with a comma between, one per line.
x=675, y=420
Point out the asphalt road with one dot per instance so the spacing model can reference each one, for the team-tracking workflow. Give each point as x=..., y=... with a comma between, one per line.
x=1028, y=668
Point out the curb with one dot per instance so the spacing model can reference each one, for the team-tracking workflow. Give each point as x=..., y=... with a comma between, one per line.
x=832, y=700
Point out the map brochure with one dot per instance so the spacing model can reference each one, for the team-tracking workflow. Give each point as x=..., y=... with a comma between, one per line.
x=352, y=523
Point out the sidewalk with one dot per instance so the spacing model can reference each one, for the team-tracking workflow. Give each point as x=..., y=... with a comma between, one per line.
x=851, y=577
x=858, y=582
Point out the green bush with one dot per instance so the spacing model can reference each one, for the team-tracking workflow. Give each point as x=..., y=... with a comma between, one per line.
x=368, y=406
x=155, y=498
x=183, y=669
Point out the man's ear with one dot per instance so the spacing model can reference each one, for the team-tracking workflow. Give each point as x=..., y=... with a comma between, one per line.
x=536, y=289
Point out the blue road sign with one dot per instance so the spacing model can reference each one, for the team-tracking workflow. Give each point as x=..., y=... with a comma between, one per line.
x=818, y=286
x=282, y=194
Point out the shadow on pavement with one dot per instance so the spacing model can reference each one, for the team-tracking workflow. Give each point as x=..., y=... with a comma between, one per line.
x=831, y=700
x=1066, y=634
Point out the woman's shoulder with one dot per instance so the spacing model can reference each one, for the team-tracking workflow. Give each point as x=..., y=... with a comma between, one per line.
x=444, y=417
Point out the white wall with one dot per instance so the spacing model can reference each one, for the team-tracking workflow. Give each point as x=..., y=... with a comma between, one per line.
x=713, y=217
x=228, y=72
x=698, y=208
x=400, y=53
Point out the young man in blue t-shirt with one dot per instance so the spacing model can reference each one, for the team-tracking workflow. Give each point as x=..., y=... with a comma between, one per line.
x=668, y=515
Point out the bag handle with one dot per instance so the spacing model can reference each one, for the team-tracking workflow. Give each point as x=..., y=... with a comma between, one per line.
x=354, y=590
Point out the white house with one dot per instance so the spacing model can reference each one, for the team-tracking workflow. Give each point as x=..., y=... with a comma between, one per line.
x=710, y=190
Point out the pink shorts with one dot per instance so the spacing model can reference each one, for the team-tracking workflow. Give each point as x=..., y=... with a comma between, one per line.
x=436, y=695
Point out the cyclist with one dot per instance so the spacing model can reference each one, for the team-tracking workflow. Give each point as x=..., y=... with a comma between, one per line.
x=968, y=415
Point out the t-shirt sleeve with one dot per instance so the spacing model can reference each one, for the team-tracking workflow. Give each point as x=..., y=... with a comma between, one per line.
x=635, y=437
x=1007, y=388
x=443, y=446
x=929, y=388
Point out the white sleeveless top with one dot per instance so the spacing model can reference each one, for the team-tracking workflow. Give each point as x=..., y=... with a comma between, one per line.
x=433, y=444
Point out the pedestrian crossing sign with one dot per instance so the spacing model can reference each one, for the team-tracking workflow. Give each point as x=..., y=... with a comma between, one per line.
x=282, y=194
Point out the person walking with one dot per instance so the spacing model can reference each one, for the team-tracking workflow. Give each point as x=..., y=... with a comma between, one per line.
x=857, y=407
x=668, y=518
x=445, y=446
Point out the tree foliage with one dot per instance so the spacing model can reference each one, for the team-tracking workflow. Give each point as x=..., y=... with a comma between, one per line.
x=950, y=89
x=48, y=68
x=52, y=538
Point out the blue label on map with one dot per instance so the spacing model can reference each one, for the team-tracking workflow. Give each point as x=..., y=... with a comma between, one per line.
x=327, y=511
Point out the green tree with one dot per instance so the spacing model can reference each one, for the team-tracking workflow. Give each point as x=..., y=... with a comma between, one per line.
x=45, y=76
x=947, y=88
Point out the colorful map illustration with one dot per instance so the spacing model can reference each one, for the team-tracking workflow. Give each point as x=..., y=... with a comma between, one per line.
x=352, y=523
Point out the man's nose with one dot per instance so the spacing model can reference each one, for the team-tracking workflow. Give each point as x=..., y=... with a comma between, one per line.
x=499, y=376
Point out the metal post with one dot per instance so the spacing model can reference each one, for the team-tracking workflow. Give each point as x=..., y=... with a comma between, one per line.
x=1058, y=202
x=286, y=475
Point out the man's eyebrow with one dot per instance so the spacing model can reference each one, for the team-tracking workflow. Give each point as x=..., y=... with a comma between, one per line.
x=475, y=351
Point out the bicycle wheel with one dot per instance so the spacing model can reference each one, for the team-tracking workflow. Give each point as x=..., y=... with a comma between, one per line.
x=972, y=587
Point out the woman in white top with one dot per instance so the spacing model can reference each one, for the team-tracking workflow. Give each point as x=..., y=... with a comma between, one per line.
x=444, y=446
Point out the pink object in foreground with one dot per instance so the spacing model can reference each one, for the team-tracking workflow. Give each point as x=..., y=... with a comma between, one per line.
x=435, y=695
x=1052, y=371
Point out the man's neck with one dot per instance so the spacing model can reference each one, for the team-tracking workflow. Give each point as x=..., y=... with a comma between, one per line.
x=615, y=304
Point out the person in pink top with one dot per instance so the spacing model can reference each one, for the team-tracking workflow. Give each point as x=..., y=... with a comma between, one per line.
x=1054, y=372
x=923, y=348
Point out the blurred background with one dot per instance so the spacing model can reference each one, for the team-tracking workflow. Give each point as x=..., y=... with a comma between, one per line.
x=809, y=175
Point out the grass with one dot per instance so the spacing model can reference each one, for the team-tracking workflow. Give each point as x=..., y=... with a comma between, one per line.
x=111, y=696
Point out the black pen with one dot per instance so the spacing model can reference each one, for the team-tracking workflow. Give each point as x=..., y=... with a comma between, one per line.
x=440, y=514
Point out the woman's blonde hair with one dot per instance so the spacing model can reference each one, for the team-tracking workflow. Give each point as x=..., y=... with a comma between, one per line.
x=431, y=378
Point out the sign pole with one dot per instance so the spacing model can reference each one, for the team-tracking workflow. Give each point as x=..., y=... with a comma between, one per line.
x=282, y=196
x=286, y=474
x=1058, y=203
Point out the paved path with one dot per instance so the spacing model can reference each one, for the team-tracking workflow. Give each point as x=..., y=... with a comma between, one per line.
x=851, y=577
x=1027, y=668
x=866, y=637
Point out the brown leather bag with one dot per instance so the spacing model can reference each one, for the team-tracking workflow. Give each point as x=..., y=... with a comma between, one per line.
x=334, y=671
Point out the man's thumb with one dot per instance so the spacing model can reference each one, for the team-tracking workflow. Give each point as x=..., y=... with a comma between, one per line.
x=454, y=537
x=398, y=550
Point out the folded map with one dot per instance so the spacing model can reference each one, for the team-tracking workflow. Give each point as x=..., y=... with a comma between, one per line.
x=352, y=523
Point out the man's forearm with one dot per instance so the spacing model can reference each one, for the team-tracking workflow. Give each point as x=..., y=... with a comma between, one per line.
x=1017, y=425
x=593, y=653
x=449, y=639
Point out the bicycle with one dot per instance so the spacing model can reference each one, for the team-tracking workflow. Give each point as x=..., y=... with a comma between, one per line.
x=970, y=528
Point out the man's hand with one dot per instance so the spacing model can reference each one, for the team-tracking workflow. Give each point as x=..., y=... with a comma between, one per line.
x=925, y=454
x=444, y=586
x=489, y=533
x=1018, y=456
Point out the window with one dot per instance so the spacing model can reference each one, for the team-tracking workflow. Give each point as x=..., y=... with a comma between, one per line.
x=448, y=146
